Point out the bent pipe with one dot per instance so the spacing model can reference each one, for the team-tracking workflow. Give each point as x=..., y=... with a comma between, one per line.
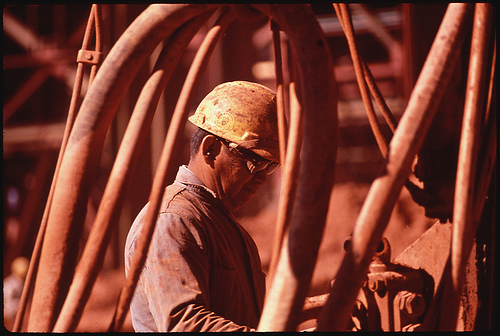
x=171, y=142
x=85, y=143
x=112, y=200
x=464, y=228
x=344, y=15
x=321, y=97
x=79, y=164
x=94, y=19
x=318, y=98
x=290, y=175
x=403, y=147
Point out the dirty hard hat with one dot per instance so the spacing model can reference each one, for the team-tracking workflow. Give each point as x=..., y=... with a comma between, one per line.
x=19, y=267
x=243, y=113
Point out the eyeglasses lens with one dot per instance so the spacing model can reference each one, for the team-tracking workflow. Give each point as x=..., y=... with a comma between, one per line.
x=269, y=166
x=253, y=165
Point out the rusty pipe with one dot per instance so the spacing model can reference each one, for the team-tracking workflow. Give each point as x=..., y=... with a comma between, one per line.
x=344, y=15
x=488, y=146
x=470, y=138
x=287, y=188
x=463, y=229
x=29, y=282
x=290, y=175
x=433, y=317
x=80, y=159
x=370, y=81
x=318, y=99
x=171, y=141
x=280, y=95
x=405, y=144
x=379, y=99
x=98, y=44
x=126, y=160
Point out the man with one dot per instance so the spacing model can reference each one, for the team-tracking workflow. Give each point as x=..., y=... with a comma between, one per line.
x=203, y=271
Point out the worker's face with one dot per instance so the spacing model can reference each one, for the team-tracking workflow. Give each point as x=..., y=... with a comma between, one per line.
x=237, y=183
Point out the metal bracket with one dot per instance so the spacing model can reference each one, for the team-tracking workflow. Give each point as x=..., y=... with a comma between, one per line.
x=88, y=56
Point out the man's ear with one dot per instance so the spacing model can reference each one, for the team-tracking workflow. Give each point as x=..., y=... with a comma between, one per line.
x=210, y=148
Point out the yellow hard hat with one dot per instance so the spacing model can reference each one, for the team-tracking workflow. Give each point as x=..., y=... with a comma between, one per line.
x=243, y=113
x=19, y=267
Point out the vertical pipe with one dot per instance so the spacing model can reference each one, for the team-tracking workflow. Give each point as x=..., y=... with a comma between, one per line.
x=469, y=143
x=171, y=141
x=344, y=16
x=379, y=99
x=111, y=203
x=463, y=227
x=98, y=45
x=290, y=164
x=74, y=102
x=78, y=166
x=385, y=190
x=278, y=65
x=318, y=100
x=291, y=168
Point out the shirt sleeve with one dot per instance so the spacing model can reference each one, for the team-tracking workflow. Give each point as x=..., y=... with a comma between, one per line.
x=175, y=279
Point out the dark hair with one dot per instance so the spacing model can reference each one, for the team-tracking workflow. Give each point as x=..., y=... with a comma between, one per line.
x=196, y=139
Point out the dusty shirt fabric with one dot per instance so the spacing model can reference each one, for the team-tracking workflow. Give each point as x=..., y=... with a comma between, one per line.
x=203, y=270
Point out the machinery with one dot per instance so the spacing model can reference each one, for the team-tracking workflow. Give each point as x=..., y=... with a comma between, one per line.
x=436, y=284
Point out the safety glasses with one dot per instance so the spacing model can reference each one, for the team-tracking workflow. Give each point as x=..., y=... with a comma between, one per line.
x=255, y=163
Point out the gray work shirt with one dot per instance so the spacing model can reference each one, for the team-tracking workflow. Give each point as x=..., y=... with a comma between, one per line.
x=203, y=270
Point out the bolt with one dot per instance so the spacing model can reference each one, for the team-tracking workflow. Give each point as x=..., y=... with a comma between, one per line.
x=376, y=284
x=414, y=304
x=89, y=56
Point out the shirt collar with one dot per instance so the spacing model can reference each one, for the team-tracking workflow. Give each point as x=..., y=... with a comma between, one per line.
x=186, y=176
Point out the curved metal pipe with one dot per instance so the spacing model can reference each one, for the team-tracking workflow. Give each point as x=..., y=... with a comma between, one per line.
x=85, y=143
x=98, y=43
x=344, y=15
x=126, y=160
x=171, y=141
x=464, y=228
x=75, y=97
x=318, y=99
x=280, y=94
x=469, y=144
x=287, y=188
x=291, y=168
x=385, y=190
x=379, y=99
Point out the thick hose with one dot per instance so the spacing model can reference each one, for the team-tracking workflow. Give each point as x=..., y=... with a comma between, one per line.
x=126, y=160
x=79, y=164
x=318, y=100
x=171, y=142
x=35, y=257
x=403, y=147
